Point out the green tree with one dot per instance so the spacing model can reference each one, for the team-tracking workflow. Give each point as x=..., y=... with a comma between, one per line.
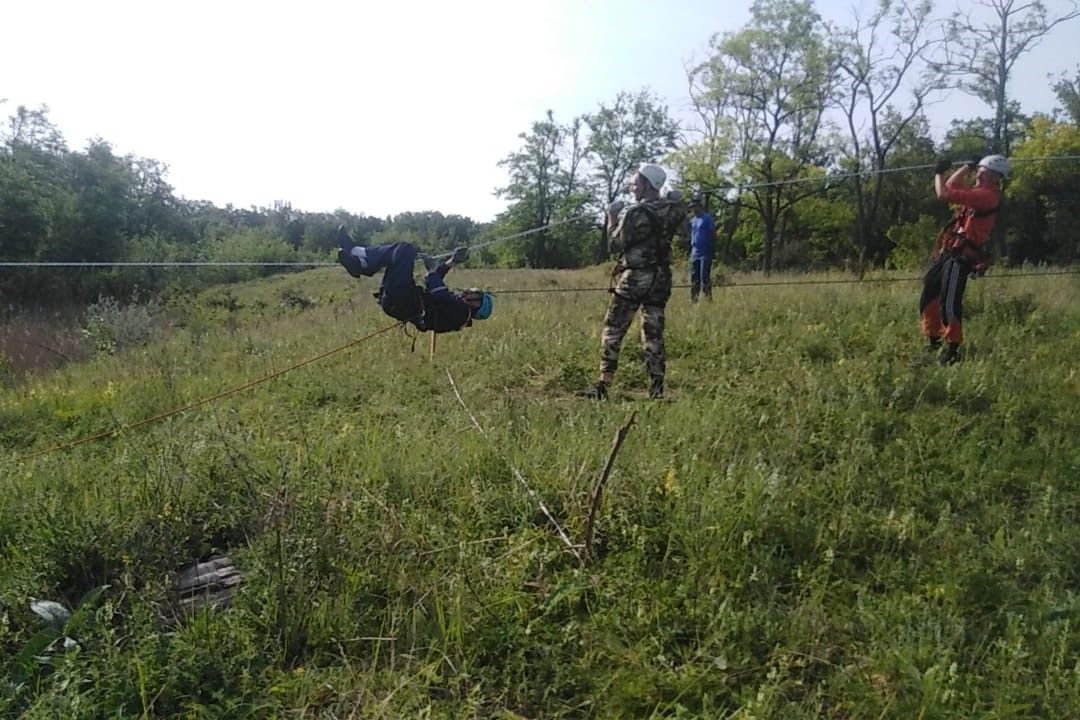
x=546, y=187
x=32, y=129
x=34, y=195
x=1068, y=94
x=430, y=230
x=1042, y=195
x=774, y=78
x=102, y=184
x=974, y=137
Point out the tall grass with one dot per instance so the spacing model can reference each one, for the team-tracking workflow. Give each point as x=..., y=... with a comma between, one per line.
x=821, y=522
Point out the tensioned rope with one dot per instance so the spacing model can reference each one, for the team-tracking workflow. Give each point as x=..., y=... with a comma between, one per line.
x=784, y=283
x=572, y=219
x=867, y=173
x=199, y=403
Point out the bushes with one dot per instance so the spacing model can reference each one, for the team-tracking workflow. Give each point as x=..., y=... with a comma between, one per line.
x=110, y=326
x=912, y=243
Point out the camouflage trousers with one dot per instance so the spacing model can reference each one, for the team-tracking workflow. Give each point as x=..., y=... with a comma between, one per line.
x=649, y=290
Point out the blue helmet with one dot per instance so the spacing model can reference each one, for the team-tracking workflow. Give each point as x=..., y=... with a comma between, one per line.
x=487, y=304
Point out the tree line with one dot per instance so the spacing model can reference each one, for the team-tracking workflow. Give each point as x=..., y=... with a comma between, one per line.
x=801, y=131
x=799, y=126
x=92, y=205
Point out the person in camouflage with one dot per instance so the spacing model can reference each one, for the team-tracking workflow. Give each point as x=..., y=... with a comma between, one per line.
x=641, y=277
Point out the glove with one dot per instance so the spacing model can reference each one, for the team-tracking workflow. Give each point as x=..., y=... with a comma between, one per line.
x=616, y=207
x=971, y=165
x=461, y=254
x=942, y=165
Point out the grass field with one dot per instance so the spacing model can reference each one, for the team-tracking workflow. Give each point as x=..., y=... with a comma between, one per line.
x=819, y=522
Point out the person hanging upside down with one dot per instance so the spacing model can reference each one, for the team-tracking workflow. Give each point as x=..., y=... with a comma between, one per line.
x=432, y=307
x=959, y=250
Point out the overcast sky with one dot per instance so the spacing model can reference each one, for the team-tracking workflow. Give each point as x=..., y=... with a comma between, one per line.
x=374, y=106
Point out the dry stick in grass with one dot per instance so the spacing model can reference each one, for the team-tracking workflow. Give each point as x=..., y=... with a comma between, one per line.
x=598, y=489
x=521, y=479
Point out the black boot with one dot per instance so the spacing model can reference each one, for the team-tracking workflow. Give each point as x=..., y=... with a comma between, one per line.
x=933, y=345
x=656, y=390
x=596, y=392
x=951, y=356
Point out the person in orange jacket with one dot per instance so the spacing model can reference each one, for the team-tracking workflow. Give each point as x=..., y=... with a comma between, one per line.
x=959, y=249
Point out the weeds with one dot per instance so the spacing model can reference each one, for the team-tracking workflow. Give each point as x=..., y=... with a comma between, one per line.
x=822, y=523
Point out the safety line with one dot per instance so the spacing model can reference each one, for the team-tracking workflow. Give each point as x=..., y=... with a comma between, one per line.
x=191, y=406
x=714, y=189
x=524, y=233
x=782, y=283
x=174, y=263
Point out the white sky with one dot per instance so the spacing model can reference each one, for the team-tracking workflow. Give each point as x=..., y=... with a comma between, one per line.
x=374, y=106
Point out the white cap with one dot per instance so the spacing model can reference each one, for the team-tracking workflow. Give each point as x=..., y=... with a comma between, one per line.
x=654, y=174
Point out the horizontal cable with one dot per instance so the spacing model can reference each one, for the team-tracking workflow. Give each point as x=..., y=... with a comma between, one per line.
x=177, y=263
x=783, y=283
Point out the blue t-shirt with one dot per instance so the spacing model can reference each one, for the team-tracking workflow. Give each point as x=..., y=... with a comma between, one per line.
x=702, y=235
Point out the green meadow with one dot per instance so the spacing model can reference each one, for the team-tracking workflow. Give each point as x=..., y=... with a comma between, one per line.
x=818, y=522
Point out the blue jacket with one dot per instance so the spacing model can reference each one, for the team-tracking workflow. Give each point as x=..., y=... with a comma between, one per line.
x=702, y=235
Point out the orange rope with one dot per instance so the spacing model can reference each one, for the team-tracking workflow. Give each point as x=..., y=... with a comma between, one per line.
x=204, y=401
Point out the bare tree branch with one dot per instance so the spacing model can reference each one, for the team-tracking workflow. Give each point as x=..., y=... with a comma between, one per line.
x=598, y=489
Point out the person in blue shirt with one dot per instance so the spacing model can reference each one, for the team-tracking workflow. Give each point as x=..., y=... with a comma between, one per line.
x=432, y=307
x=702, y=246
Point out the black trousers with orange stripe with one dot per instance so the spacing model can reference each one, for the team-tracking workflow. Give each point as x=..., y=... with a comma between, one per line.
x=942, y=302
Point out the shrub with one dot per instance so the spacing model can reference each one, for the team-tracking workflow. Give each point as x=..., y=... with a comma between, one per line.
x=912, y=243
x=110, y=326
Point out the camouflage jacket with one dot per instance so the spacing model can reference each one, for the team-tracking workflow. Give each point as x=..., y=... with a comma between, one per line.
x=644, y=232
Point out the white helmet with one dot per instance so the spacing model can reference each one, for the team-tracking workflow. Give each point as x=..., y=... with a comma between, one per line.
x=996, y=163
x=654, y=174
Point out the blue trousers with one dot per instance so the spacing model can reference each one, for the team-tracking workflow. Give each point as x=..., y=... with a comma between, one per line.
x=399, y=295
x=700, y=275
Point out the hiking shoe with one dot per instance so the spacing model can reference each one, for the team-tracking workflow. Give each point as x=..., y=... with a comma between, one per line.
x=596, y=392
x=343, y=238
x=951, y=356
x=656, y=390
